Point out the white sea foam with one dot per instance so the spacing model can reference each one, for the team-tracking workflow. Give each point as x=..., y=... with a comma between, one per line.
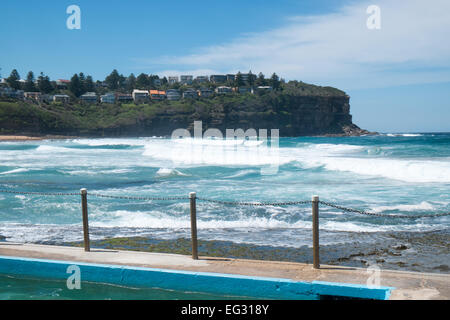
x=349, y=226
x=423, y=206
x=242, y=173
x=19, y=170
x=208, y=142
x=404, y=135
x=328, y=148
x=194, y=152
x=333, y=157
x=167, y=172
x=111, y=142
x=160, y=220
x=47, y=148
x=421, y=171
x=157, y=219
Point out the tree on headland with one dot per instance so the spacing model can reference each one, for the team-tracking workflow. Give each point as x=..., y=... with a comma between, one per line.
x=122, y=81
x=275, y=81
x=113, y=80
x=260, y=81
x=29, y=84
x=13, y=80
x=251, y=78
x=152, y=79
x=130, y=83
x=82, y=79
x=239, y=82
x=142, y=81
x=75, y=86
x=44, y=84
x=89, y=85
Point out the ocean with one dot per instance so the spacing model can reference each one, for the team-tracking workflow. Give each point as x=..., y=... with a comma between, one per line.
x=405, y=174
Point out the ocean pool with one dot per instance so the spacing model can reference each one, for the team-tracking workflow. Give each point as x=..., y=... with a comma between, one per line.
x=15, y=288
x=27, y=278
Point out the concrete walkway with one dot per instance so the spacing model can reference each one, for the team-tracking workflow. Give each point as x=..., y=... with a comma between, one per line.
x=409, y=285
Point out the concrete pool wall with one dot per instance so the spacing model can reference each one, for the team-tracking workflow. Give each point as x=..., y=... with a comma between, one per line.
x=208, y=282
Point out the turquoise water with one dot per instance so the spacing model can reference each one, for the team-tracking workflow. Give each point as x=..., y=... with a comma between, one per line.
x=13, y=288
x=387, y=174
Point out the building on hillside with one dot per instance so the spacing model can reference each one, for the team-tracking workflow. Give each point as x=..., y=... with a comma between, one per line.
x=263, y=88
x=157, y=95
x=218, y=78
x=186, y=79
x=18, y=94
x=245, y=76
x=101, y=84
x=124, y=97
x=205, y=92
x=89, y=98
x=36, y=96
x=7, y=92
x=243, y=90
x=47, y=98
x=173, y=79
x=231, y=77
x=62, y=84
x=173, y=94
x=223, y=90
x=64, y=98
x=109, y=97
x=140, y=95
x=201, y=79
x=190, y=94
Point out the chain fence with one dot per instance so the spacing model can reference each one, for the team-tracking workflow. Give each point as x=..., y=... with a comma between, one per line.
x=233, y=203
x=40, y=193
x=138, y=198
x=255, y=204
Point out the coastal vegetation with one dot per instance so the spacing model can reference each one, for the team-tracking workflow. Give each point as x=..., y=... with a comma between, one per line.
x=297, y=110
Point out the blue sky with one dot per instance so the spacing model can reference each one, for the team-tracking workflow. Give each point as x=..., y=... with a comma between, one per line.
x=398, y=77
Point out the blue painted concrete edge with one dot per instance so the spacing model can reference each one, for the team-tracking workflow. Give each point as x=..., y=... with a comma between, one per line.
x=215, y=283
x=352, y=290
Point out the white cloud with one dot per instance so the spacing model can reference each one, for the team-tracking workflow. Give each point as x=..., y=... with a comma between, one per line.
x=338, y=49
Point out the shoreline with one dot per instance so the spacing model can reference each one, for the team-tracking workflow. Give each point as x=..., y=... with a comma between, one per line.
x=24, y=138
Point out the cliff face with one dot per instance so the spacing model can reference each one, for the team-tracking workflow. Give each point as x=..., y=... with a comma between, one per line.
x=293, y=115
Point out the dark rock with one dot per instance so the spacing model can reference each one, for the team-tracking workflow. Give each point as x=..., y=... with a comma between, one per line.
x=442, y=267
x=401, y=247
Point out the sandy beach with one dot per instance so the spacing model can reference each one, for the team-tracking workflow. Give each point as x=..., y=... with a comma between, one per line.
x=18, y=138
x=30, y=138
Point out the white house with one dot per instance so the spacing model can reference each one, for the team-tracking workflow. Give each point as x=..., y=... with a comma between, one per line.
x=140, y=95
x=223, y=90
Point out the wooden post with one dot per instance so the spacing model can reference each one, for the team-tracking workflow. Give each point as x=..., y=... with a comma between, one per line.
x=84, y=209
x=315, y=230
x=192, y=198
